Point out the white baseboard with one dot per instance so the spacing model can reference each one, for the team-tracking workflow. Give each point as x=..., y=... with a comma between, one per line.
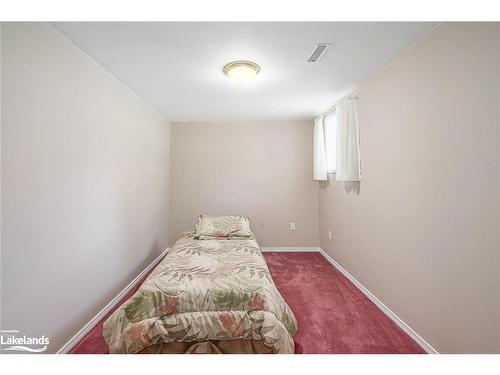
x=401, y=324
x=72, y=342
x=303, y=249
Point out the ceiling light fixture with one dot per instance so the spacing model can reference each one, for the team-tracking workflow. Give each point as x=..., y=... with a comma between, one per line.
x=241, y=71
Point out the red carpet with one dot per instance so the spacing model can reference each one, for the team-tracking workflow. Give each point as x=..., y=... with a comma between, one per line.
x=333, y=315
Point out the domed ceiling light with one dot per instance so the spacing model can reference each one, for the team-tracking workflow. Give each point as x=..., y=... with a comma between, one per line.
x=241, y=71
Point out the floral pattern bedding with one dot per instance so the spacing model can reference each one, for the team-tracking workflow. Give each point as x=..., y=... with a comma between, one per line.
x=204, y=290
x=222, y=227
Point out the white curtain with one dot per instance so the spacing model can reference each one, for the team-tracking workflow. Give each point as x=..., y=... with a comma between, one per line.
x=320, y=172
x=348, y=155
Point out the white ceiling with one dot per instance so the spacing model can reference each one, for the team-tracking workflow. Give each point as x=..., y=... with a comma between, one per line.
x=177, y=66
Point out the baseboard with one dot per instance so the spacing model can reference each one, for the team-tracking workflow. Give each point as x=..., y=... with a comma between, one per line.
x=74, y=340
x=303, y=249
x=401, y=324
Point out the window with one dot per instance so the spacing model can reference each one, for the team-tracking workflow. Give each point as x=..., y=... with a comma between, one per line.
x=330, y=123
x=336, y=143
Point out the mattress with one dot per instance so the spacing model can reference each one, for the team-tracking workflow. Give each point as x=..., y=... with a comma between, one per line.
x=205, y=296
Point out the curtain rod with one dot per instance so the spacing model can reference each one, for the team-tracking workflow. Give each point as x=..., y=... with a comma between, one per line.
x=334, y=107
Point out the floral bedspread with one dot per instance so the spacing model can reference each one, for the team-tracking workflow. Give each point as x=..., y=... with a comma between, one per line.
x=204, y=290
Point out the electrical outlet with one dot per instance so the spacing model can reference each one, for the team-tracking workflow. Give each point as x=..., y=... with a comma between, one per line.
x=330, y=234
x=292, y=226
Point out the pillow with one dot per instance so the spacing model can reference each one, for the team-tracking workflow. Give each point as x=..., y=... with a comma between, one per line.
x=223, y=227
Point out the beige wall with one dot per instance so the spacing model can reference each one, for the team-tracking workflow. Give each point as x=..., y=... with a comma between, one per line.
x=85, y=169
x=261, y=170
x=422, y=233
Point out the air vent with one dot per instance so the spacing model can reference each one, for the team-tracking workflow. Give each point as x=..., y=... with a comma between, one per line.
x=318, y=52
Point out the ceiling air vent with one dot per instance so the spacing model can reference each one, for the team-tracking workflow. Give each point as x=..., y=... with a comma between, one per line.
x=318, y=52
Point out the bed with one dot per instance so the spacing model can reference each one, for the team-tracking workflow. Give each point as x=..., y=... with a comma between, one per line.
x=212, y=293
